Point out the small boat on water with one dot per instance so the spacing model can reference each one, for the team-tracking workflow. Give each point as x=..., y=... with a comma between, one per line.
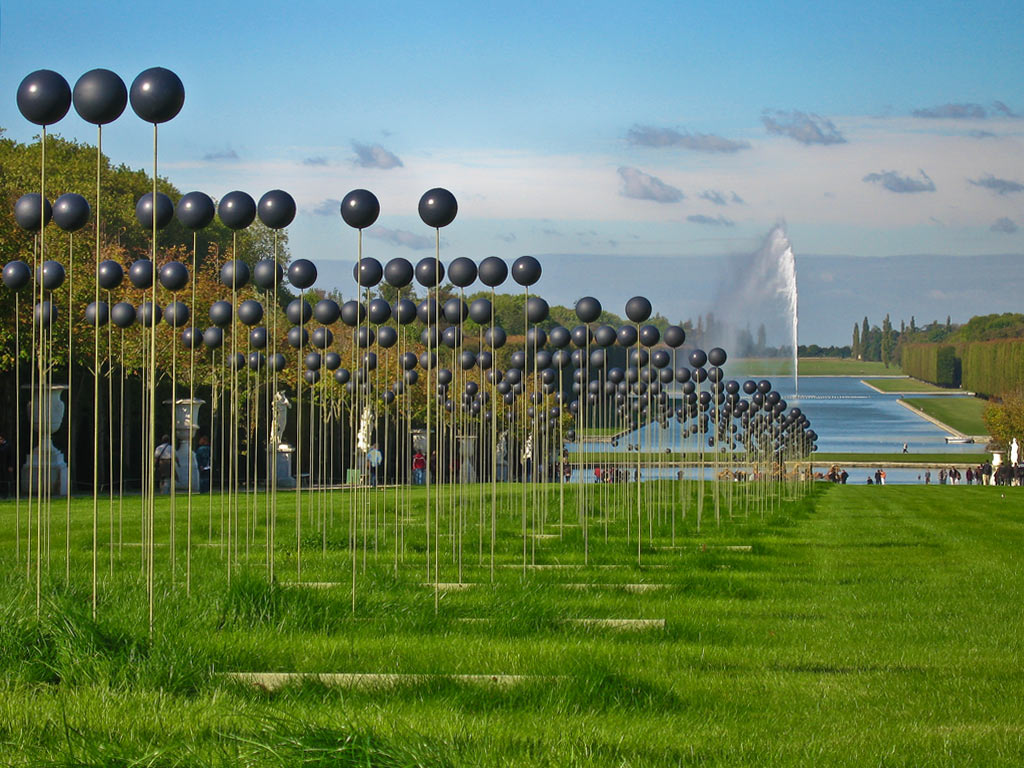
x=959, y=440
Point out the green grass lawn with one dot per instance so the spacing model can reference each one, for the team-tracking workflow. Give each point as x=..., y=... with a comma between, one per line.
x=902, y=458
x=906, y=385
x=964, y=414
x=865, y=626
x=810, y=366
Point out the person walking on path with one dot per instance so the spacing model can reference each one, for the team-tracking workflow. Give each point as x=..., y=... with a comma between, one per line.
x=373, y=460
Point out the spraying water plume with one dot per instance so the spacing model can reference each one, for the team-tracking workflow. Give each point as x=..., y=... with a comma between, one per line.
x=760, y=288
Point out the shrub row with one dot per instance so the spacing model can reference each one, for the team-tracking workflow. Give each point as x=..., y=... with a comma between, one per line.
x=986, y=367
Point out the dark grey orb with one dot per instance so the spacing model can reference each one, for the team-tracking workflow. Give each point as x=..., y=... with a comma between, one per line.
x=378, y=311
x=717, y=356
x=157, y=95
x=429, y=272
x=492, y=271
x=266, y=274
x=322, y=338
x=27, y=210
x=221, y=313
x=250, y=312
x=191, y=338
x=276, y=209
x=312, y=361
x=122, y=314
x=144, y=211
x=387, y=337
x=332, y=361
x=627, y=336
x=298, y=337
x=438, y=207
x=588, y=309
x=234, y=274
x=605, y=336
x=148, y=314
x=258, y=338
x=97, y=313
x=17, y=274
x=698, y=358
x=462, y=272
x=298, y=312
x=526, y=270
x=455, y=311
x=537, y=310
x=367, y=272
x=176, y=314
x=44, y=97
x=398, y=272
x=195, y=210
x=71, y=212
x=100, y=96
x=352, y=313
x=256, y=360
x=173, y=276
x=237, y=210
x=302, y=273
x=342, y=376
x=140, y=273
x=674, y=336
x=638, y=309
x=45, y=314
x=277, y=362
x=649, y=335
x=480, y=311
x=51, y=274
x=404, y=311
x=559, y=337
x=360, y=208
x=326, y=311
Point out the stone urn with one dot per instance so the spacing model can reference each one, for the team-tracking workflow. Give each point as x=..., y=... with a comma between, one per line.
x=44, y=457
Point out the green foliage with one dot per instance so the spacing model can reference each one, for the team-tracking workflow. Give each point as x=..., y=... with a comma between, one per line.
x=1005, y=418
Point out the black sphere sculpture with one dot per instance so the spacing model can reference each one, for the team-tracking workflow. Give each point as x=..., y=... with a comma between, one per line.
x=302, y=273
x=52, y=275
x=176, y=314
x=298, y=312
x=144, y=210
x=674, y=336
x=588, y=309
x=26, y=212
x=173, y=276
x=327, y=311
x=398, y=273
x=717, y=356
x=267, y=273
x=100, y=96
x=638, y=309
x=195, y=210
x=213, y=338
x=649, y=335
x=237, y=210
x=44, y=97
x=276, y=362
x=258, y=338
x=462, y=272
x=438, y=208
x=378, y=311
x=352, y=313
x=360, y=208
x=322, y=338
x=140, y=274
x=404, y=311
x=70, y=212
x=157, y=95
x=149, y=314
x=45, y=314
x=191, y=338
x=220, y=313
x=17, y=275
x=698, y=358
x=234, y=274
x=537, y=309
x=526, y=270
x=97, y=313
x=492, y=271
x=276, y=209
x=480, y=311
x=429, y=272
x=367, y=272
x=250, y=312
x=109, y=275
x=298, y=337
x=122, y=314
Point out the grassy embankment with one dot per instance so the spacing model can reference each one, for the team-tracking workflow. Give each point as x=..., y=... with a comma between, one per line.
x=872, y=627
x=809, y=366
x=964, y=414
x=910, y=385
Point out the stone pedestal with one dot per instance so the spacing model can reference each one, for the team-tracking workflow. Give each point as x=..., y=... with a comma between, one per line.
x=46, y=458
x=467, y=452
x=283, y=451
x=186, y=424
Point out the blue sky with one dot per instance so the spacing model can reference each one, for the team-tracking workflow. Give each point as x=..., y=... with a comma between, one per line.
x=657, y=129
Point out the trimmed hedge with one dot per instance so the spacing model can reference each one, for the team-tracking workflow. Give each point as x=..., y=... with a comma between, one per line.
x=986, y=367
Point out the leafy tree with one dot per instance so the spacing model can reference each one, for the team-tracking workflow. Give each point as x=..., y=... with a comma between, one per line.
x=1005, y=418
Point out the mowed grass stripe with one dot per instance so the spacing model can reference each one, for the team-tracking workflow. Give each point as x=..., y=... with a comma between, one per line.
x=879, y=627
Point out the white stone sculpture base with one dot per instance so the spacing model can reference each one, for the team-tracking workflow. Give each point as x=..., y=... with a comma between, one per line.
x=285, y=477
x=55, y=471
x=185, y=462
